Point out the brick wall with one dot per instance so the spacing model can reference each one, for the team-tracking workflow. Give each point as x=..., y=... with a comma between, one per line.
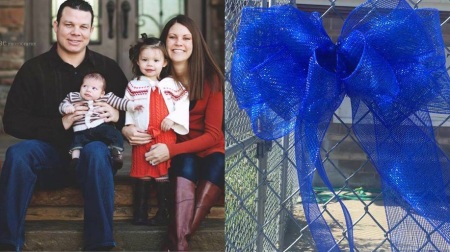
x=12, y=51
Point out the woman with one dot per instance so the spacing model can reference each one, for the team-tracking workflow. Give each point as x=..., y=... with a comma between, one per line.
x=198, y=158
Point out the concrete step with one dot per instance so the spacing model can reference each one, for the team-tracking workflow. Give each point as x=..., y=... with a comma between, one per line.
x=68, y=236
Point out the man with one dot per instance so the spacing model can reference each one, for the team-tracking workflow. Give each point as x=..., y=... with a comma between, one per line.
x=31, y=113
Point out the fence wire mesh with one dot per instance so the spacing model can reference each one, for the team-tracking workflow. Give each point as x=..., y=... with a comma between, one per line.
x=263, y=207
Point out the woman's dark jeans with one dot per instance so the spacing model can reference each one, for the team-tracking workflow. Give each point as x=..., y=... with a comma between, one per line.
x=194, y=168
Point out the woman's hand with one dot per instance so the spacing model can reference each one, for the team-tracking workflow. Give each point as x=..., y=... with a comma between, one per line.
x=79, y=111
x=157, y=154
x=106, y=111
x=135, y=135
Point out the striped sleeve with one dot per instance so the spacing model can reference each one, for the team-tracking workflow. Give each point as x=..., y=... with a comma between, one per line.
x=116, y=102
x=70, y=99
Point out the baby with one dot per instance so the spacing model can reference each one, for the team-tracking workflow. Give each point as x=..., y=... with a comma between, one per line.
x=92, y=127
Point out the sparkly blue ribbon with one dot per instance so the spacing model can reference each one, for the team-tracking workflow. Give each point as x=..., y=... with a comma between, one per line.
x=287, y=74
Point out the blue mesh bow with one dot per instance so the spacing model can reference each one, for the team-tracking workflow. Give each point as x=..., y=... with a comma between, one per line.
x=288, y=75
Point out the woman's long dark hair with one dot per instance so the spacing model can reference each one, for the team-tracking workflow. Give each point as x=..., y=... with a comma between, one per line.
x=202, y=66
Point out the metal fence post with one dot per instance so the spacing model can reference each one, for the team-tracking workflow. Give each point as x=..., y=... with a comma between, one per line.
x=261, y=153
x=283, y=189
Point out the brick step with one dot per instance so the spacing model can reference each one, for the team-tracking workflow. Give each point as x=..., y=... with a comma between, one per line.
x=67, y=203
x=76, y=213
x=68, y=236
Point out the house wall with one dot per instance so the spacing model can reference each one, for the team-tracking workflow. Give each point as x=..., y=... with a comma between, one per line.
x=12, y=45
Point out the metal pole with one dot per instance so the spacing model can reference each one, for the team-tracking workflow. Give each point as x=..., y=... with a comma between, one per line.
x=261, y=153
x=283, y=189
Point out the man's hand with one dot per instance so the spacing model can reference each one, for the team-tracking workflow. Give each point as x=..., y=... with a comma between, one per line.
x=79, y=111
x=69, y=109
x=107, y=112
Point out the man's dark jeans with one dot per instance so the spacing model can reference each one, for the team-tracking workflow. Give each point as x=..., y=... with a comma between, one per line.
x=33, y=162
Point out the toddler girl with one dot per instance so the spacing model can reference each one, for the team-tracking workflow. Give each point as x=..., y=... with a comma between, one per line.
x=165, y=113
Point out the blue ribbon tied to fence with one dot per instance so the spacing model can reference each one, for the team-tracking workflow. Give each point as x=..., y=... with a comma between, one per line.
x=389, y=59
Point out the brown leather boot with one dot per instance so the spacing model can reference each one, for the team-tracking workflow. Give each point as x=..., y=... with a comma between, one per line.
x=207, y=195
x=183, y=214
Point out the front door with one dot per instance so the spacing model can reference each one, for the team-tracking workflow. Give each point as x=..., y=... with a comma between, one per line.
x=117, y=24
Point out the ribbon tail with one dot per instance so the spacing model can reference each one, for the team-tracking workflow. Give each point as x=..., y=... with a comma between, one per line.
x=317, y=111
x=309, y=137
x=319, y=228
x=415, y=177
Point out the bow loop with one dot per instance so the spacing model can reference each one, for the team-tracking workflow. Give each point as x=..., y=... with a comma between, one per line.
x=269, y=58
x=370, y=77
x=408, y=41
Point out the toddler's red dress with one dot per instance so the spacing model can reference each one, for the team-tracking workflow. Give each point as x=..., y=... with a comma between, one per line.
x=158, y=111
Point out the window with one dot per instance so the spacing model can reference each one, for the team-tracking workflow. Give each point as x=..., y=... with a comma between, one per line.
x=154, y=14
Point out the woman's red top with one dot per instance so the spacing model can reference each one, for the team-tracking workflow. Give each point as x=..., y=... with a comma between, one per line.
x=206, y=134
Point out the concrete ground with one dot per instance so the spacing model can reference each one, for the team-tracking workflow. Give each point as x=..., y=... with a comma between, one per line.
x=368, y=231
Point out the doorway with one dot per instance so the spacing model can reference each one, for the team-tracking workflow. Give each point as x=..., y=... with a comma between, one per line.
x=117, y=24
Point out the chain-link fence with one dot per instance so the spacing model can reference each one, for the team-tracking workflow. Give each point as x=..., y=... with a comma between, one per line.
x=263, y=207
